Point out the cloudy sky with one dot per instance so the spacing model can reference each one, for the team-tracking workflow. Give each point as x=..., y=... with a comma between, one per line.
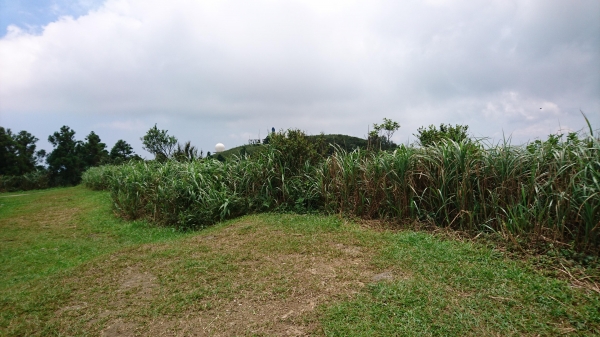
x=227, y=71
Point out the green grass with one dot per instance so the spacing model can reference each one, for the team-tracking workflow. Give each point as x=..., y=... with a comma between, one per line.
x=70, y=267
x=46, y=232
x=457, y=288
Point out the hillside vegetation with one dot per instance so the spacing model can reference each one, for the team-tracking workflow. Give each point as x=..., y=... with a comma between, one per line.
x=345, y=142
x=548, y=191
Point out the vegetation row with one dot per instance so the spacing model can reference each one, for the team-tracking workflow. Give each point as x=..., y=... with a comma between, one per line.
x=23, y=168
x=546, y=189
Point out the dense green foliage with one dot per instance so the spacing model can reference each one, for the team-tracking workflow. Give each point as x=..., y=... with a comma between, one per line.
x=35, y=180
x=201, y=192
x=187, y=152
x=19, y=169
x=380, y=138
x=20, y=164
x=122, y=152
x=66, y=162
x=432, y=135
x=550, y=190
x=159, y=143
x=93, y=151
x=17, y=152
x=329, y=142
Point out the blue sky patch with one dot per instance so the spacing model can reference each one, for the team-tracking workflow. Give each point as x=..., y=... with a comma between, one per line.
x=32, y=15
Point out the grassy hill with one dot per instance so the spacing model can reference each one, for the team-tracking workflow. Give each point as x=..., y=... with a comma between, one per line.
x=68, y=267
x=346, y=142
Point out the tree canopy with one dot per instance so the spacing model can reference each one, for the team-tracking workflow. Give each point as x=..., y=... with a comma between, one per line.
x=431, y=135
x=381, y=135
x=94, y=151
x=159, y=143
x=65, y=162
x=17, y=152
x=121, y=152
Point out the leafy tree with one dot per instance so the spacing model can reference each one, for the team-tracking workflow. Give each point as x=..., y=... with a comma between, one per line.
x=65, y=162
x=25, y=145
x=94, y=151
x=40, y=158
x=159, y=143
x=432, y=135
x=121, y=152
x=187, y=152
x=381, y=135
x=294, y=148
x=17, y=152
x=8, y=155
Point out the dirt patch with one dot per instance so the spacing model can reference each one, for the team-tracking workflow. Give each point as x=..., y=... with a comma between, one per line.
x=246, y=279
x=142, y=283
x=283, y=288
x=119, y=328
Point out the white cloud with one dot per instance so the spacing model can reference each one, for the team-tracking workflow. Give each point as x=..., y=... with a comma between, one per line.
x=205, y=68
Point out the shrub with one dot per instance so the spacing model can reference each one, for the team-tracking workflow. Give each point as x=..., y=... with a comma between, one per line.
x=29, y=181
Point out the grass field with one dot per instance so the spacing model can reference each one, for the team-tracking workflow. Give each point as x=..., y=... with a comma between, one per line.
x=69, y=267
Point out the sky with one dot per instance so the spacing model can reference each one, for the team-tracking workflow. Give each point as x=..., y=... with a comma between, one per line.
x=229, y=71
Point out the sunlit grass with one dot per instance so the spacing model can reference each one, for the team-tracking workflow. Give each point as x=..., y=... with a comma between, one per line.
x=71, y=268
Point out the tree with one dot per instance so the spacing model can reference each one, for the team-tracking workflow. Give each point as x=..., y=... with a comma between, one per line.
x=8, y=153
x=121, y=152
x=65, y=162
x=431, y=135
x=186, y=153
x=293, y=148
x=17, y=152
x=40, y=158
x=159, y=143
x=94, y=151
x=381, y=136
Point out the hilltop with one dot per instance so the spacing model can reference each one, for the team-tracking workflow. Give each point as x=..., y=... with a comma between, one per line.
x=348, y=143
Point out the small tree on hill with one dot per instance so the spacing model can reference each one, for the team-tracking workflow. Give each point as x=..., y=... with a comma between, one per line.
x=381, y=135
x=159, y=143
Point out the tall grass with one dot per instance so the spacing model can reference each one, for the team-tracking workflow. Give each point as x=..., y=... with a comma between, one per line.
x=202, y=192
x=550, y=191
x=547, y=189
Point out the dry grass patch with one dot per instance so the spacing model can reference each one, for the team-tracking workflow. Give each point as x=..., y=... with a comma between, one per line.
x=251, y=277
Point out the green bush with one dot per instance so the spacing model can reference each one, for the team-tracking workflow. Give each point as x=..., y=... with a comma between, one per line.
x=29, y=181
